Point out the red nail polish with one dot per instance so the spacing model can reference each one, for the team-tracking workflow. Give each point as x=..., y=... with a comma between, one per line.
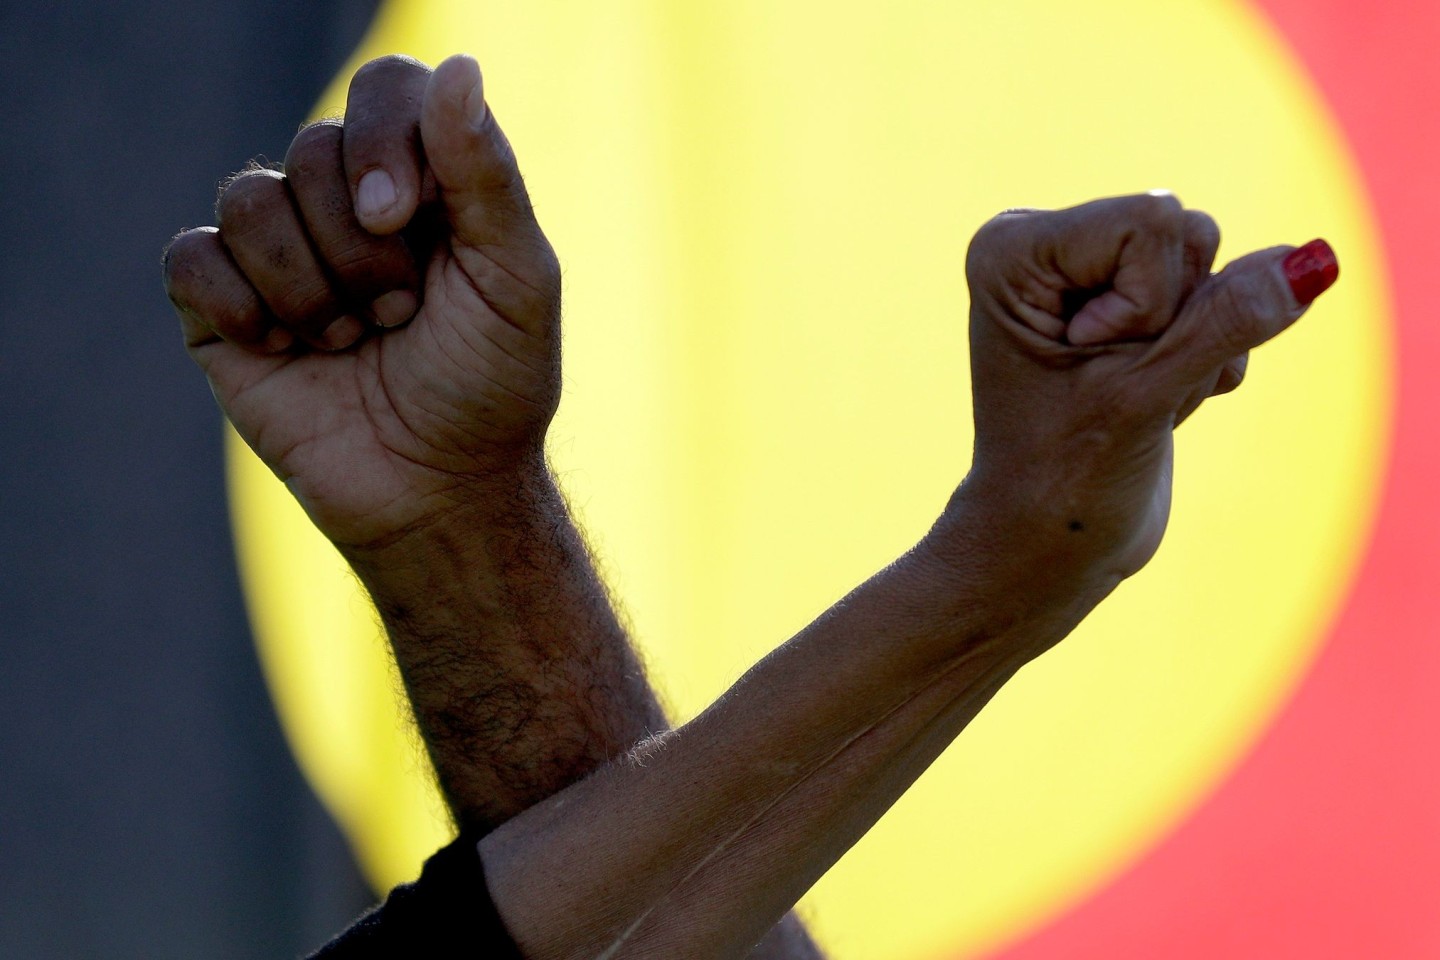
x=1311, y=270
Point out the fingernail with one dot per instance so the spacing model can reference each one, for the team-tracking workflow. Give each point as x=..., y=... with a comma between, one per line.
x=475, y=108
x=375, y=194
x=342, y=333
x=1311, y=270
x=394, y=308
x=279, y=340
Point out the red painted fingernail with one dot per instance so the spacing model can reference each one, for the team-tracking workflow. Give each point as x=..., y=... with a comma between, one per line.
x=1311, y=270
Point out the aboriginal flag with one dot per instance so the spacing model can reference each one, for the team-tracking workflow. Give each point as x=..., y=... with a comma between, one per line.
x=762, y=209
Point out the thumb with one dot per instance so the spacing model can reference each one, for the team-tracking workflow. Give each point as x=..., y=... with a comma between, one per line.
x=474, y=167
x=1251, y=301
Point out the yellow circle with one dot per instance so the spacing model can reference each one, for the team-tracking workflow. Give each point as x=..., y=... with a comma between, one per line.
x=763, y=209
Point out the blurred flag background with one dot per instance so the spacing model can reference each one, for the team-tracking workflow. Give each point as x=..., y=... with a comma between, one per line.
x=763, y=210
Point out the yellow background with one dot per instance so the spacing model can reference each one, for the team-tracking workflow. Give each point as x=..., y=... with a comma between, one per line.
x=762, y=209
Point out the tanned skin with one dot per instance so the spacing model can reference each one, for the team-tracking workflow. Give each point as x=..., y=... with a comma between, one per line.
x=380, y=322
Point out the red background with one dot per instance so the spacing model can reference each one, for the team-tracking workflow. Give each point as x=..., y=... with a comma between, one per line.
x=1325, y=842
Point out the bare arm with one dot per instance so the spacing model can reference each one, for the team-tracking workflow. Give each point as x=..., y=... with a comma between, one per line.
x=723, y=824
x=402, y=388
x=720, y=826
x=416, y=446
x=521, y=678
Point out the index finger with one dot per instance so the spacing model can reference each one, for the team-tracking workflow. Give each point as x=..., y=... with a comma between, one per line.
x=384, y=159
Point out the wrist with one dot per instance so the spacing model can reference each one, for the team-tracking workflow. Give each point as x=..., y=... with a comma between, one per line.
x=458, y=531
x=1016, y=555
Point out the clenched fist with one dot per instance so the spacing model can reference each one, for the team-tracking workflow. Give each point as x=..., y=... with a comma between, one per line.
x=380, y=320
x=1094, y=332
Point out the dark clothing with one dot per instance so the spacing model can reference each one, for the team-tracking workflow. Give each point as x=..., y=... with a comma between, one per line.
x=446, y=913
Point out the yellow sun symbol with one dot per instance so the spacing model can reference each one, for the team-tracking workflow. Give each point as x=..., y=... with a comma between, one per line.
x=763, y=209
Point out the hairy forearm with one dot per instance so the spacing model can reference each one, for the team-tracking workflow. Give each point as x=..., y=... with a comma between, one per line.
x=521, y=677
x=718, y=828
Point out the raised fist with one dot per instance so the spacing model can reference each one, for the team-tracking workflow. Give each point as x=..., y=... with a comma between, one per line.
x=380, y=320
x=1094, y=332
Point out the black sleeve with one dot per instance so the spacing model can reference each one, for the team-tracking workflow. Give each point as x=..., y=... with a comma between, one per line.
x=446, y=913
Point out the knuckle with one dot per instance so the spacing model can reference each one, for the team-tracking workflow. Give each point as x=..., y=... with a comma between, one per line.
x=1243, y=308
x=315, y=145
x=1162, y=211
x=990, y=242
x=387, y=69
x=1202, y=240
x=1160, y=219
x=1203, y=228
x=248, y=193
x=180, y=253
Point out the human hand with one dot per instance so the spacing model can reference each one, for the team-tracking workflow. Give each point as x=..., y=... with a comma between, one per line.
x=296, y=306
x=1094, y=332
